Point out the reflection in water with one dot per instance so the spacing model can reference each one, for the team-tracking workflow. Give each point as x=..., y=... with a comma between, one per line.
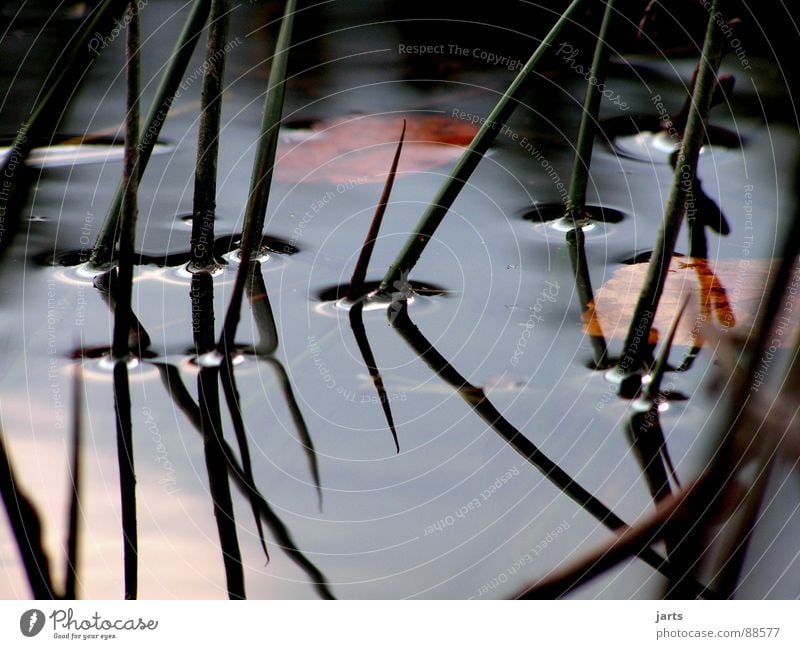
x=477, y=400
x=202, y=303
x=359, y=332
x=576, y=244
x=70, y=155
x=127, y=478
x=183, y=399
x=267, y=344
x=26, y=525
x=224, y=245
x=76, y=482
x=375, y=505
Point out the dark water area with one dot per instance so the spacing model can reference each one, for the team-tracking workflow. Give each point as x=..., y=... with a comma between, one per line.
x=457, y=512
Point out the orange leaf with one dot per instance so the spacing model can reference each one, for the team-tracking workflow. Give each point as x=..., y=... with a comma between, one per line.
x=726, y=293
x=360, y=149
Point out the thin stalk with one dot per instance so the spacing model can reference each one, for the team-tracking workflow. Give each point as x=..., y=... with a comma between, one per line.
x=646, y=438
x=299, y=424
x=210, y=426
x=644, y=426
x=681, y=198
x=218, y=483
x=583, y=284
x=647, y=441
x=127, y=479
x=576, y=198
x=48, y=109
x=166, y=94
x=180, y=395
x=726, y=579
x=668, y=517
x=653, y=387
x=138, y=338
x=237, y=418
x=736, y=543
x=263, y=318
x=26, y=526
x=263, y=167
x=650, y=446
x=70, y=588
x=122, y=314
x=356, y=288
x=485, y=409
x=470, y=159
x=264, y=350
x=724, y=461
x=360, y=334
x=205, y=179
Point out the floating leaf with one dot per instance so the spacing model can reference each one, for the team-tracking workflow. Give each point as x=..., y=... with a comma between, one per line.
x=359, y=149
x=725, y=293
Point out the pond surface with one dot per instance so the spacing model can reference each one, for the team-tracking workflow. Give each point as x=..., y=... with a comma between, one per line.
x=457, y=512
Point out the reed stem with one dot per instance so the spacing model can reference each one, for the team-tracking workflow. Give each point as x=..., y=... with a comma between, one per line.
x=681, y=199
x=49, y=107
x=205, y=180
x=73, y=530
x=26, y=526
x=261, y=179
x=120, y=348
x=356, y=288
x=576, y=199
x=466, y=165
x=167, y=92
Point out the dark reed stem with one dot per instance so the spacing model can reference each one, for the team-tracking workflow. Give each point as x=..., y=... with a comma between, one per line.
x=653, y=386
x=477, y=400
x=180, y=395
x=466, y=165
x=26, y=526
x=734, y=552
x=356, y=288
x=122, y=314
x=73, y=530
x=724, y=461
x=583, y=284
x=201, y=296
x=299, y=423
x=644, y=426
x=107, y=285
x=234, y=408
x=256, y=209
x=48, y=109
x=210, y=422
x=166, y=94
x=680, y=201
x=647, y=441
x=576, y=198
x=264, y=350
x=127, y=479
x=263, y=318
x=360, y=334
x=669, y=516
x=120, y=348
x=205, y=179
x=218, y=484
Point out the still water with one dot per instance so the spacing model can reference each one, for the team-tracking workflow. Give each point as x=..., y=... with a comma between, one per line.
x=457, y=512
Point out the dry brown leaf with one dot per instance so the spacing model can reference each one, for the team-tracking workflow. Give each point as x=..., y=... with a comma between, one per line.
x=360, y=149
x=725, y=293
